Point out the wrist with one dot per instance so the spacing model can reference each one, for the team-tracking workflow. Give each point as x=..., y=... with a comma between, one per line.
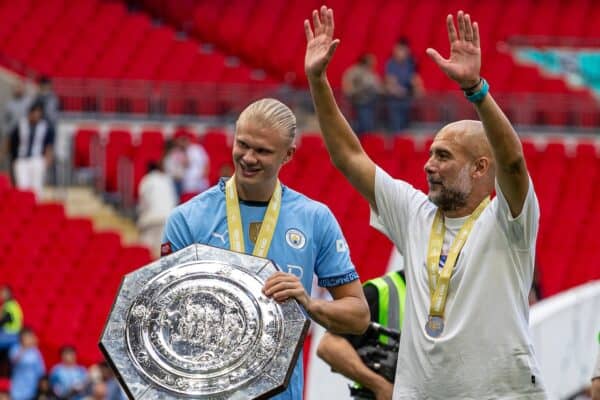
x=471, y=86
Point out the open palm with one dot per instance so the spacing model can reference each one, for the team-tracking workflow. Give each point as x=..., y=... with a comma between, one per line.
x=464, y=64
x=320, y=44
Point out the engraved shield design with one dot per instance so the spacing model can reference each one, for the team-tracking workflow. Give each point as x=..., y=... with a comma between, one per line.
x=196, y=324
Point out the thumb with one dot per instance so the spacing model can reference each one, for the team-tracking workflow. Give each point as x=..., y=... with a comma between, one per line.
x=332, y=48
x=435, y=56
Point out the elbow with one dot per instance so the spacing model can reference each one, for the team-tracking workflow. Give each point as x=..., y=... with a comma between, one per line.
x=362, y=320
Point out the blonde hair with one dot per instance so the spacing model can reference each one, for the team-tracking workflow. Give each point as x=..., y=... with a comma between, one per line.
x=272, y=113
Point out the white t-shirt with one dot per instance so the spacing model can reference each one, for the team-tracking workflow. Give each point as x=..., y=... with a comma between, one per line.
x=596, y=373
x=157, y=198
x=485, y=350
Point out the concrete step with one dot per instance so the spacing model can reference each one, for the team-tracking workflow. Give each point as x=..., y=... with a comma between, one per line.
x=80, y=201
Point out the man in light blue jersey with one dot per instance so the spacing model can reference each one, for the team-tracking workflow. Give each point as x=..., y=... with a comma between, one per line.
x=252, y=212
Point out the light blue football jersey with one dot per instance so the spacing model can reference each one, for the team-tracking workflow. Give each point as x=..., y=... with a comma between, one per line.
x=307, y=240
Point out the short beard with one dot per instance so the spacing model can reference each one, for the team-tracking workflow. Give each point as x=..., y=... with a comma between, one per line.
x=450, y=200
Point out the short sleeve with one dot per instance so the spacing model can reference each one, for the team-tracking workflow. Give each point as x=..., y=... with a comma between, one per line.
x=333, y=264
x=522, y=229
x=177, y=232
x=394, y=199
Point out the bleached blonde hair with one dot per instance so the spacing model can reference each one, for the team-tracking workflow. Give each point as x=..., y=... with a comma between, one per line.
x=272, y=113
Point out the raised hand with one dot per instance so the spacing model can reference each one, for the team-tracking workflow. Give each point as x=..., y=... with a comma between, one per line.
x=320, y=44
x=464, y=63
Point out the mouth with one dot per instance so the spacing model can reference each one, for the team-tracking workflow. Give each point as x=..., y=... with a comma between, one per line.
x=248, y=172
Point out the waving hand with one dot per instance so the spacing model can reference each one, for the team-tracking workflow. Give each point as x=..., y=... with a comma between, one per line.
x=464, y=63
x=320, y=44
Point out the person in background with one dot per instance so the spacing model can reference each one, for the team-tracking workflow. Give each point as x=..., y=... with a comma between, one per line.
x=11, y=319
x=27, y=366
x=44, y=390
x=68, y=379
x=195, y=178
x=370, y=359
x=402, y=85
x=175, y=163
x=16, y=109
x=157, y=198
x=49, y=100
x=31, y=146
x=362, y=87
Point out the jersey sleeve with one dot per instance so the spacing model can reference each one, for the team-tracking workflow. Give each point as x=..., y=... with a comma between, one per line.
x=521, y=230
x=333, y=265
x=177, y=232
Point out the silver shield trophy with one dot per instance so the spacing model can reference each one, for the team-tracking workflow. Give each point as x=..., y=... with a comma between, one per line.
x=195, y=324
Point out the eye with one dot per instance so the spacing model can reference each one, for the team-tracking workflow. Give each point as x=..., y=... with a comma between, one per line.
x=243, y=145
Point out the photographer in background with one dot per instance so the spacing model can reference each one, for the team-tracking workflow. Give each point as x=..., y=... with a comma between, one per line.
x=370, y=359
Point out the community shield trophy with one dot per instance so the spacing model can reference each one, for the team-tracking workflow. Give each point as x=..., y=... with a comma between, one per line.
x=195, y=324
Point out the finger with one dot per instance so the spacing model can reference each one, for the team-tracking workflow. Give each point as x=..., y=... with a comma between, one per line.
x=451, y=29
x=435, y=56
x=280, y=287
x=323, y=17
x=461, y=25
x=476, y=34
x=468, y=28
x=316, y=22
x=286, y=294
x=332, y=48
x=329, y=23
x=307, y=31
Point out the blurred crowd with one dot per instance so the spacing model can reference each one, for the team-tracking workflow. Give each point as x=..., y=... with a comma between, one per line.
x=390, y=98
x=23, y=371
x=27, y=133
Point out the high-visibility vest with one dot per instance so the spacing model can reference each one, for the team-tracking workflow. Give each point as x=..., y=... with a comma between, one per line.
x=12, y=307
x=391, y=290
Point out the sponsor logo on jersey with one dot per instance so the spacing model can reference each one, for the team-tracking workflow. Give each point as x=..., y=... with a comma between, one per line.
x=341, y=246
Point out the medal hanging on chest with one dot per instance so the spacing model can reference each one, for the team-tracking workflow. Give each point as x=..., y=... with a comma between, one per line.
x=439, y=281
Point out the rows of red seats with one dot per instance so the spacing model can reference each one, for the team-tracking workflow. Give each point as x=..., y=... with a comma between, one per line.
x=102, y=40
x=64, y=274
x=564, y=181
x=268, y=33
x=119, y=145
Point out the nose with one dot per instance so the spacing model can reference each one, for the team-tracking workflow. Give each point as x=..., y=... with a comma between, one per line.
x=249, y=157
x=428, y=167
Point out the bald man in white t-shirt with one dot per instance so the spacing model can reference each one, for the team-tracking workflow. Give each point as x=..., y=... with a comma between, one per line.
x=469, y=258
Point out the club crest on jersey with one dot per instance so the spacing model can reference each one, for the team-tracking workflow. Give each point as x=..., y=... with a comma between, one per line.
x=295, y=238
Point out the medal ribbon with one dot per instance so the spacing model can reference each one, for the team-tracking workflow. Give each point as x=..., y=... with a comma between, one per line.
x=234, y=220
x=439, y=281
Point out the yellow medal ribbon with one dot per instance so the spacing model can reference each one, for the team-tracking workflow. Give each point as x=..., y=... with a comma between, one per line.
x=439, y=281
x=234, y=220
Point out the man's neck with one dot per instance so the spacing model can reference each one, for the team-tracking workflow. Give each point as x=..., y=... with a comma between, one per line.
x=257, y=192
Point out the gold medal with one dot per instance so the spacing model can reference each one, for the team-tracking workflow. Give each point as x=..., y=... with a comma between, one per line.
x=434, y=326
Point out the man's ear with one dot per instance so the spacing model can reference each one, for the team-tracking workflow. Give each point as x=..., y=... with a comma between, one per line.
x=290, y=153
x=481, y=167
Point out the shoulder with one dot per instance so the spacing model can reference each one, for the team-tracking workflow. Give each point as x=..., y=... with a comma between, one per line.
x=300, y=203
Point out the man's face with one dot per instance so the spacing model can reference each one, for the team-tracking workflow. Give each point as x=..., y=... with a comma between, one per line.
x=35, y=115
x=69, y=357
x=259, y=151
x=401, y=52
x=448, y=173
x=4, y=294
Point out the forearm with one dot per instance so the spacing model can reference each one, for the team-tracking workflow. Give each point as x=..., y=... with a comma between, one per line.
x=341, y=356
x=344, y=315
x=506, y=145
x=339, y=138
